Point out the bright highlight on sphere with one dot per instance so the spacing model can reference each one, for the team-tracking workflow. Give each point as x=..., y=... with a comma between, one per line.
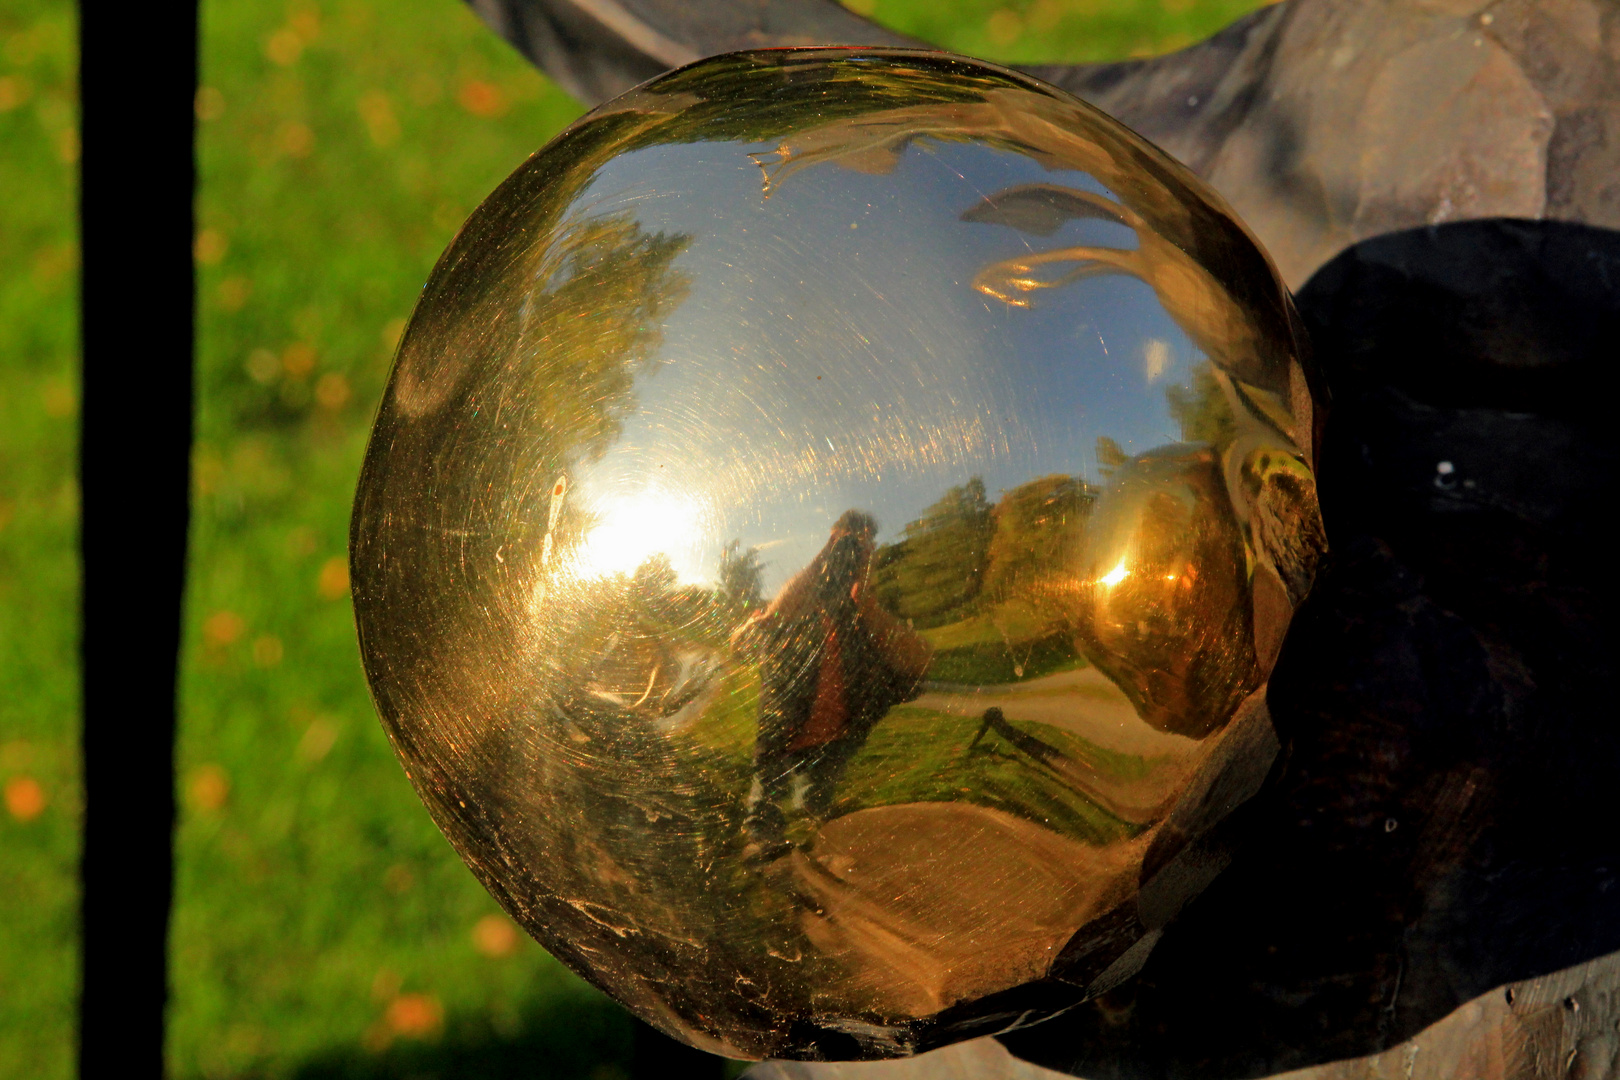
x=632, y=527
x=1116, y=575
x=829, y=527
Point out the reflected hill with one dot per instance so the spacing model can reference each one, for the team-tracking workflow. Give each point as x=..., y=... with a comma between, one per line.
x=976, y=578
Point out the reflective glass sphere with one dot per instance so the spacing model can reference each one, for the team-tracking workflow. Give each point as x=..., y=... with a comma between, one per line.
x=823, y=544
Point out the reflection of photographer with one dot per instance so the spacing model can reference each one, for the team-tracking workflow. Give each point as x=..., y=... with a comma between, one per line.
x=831, y=664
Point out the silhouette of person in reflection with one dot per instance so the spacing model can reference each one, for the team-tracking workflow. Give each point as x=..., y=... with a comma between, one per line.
x=832, y=663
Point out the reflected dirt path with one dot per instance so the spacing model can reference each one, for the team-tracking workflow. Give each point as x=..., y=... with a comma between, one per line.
x=1086, y=703
x=927, y=904
x=1082, y=701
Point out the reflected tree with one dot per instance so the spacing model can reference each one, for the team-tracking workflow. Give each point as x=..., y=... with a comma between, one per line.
x=1034, y=526
x=1201, y=410
x=937, y=566
x=1111, y=457
x=597, y=302
x=741, y=579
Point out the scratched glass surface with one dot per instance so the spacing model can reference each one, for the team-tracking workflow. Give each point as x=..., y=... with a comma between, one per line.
x=825, y=539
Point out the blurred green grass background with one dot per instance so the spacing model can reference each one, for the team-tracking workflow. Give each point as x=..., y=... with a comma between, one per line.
x=322, y=927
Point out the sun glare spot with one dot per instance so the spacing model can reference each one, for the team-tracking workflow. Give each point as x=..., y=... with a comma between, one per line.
x=1116, y=575
x=630, y=529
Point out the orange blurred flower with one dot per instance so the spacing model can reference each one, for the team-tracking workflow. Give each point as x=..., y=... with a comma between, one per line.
x=210, y=246
x=25, y=798
x=284, y=47
x=495, y=936
x=415, y=1016
x=223, y=627
x=333, y=582
x=295, y=139
x=210, y=788
x=332, y=391
x=299, y=359
x=482, y=98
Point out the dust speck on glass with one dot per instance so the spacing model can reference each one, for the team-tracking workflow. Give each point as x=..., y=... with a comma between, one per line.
x=827, y=533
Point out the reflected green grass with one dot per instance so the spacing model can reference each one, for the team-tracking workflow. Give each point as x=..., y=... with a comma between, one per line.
x=917, y=754
x=728, y=725
x=1076, y=31
x=322, y=926
x=922, y=755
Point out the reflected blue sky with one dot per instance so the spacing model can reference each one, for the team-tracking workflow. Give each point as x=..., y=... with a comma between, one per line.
x=832, y=353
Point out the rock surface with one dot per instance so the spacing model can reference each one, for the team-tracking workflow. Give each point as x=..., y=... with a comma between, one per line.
x=1541, y=1029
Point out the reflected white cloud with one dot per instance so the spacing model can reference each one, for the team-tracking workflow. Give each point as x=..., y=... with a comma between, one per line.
x=1155, y=359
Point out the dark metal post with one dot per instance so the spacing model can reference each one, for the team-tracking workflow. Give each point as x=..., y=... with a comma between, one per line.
x=138, y=74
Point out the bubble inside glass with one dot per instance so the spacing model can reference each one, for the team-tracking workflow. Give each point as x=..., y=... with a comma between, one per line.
x=824, y=541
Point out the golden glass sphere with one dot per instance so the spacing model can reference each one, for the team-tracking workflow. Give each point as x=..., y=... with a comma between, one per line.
x=823, y=544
